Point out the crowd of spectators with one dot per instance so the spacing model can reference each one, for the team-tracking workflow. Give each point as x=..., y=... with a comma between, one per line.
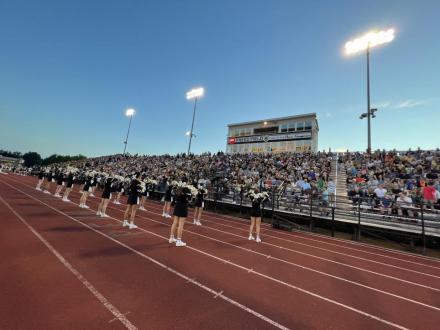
x=394, y=182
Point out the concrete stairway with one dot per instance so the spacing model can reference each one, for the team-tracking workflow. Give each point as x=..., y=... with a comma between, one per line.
x=339, y=176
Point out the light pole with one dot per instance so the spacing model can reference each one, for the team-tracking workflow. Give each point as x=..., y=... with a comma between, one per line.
x=366, y=42
x=193, y=94
x=129, y=113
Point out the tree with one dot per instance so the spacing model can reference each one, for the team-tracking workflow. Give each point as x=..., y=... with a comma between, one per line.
x=32, y=158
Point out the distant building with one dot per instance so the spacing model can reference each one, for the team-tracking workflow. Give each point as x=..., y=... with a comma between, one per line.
x=10, y=161
x=287, y=134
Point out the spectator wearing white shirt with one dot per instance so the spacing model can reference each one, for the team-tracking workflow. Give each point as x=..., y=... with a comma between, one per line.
x=404, y=202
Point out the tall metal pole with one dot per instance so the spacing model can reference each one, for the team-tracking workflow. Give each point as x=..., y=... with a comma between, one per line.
x=192, y=126
x=128, y=132
x=368, y=100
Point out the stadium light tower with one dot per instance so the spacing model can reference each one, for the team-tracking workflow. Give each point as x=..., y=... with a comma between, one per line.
x=194, y=93
x=365, y=43
x=129, y=113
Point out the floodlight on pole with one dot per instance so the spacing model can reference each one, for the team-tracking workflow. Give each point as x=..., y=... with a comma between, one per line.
x=194, y=93
x=130, y=112
x=365, y=43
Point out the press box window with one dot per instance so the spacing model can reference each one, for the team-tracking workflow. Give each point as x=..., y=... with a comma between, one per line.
x=283, y=128
x=300, y=126
x=308, y=125
x=291, y=127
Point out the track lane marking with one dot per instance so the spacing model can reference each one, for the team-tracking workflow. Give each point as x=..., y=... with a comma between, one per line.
x=366, y=314
x=103, y=300
x=160, y=264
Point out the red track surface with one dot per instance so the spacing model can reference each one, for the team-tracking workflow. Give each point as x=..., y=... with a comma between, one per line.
x=63, y=267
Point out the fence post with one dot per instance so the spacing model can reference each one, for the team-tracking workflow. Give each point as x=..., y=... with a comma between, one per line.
x=241, y=201
x=423, y=229
x=333, y=221
x=273, y=202
x=359, y=221
x=311, y=213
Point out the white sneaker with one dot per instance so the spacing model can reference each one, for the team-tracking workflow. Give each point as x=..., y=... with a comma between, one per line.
x=125, y=223
x=104, y=215
x=198, y=223
x=85, y=206
x=142, y=208
x=132, y=226
x=258, y=239
x=80, y=205
x=38, y=189
x=98, y=213
x=195, y=222
x=167, y=216
x=163, y=214
x=180, y=243
x=172, y=240
x=251, y=238
x=57, y=195
x=118, y=203
x=47, y=192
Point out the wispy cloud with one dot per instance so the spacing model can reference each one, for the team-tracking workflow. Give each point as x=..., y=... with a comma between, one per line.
x=411, y=103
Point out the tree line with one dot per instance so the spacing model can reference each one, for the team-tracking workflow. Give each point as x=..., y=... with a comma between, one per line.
x=33, y=158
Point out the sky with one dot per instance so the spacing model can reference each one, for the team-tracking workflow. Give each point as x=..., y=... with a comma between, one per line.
x=69, y=69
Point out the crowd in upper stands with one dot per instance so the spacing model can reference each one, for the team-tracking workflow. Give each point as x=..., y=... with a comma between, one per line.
x=394, y=181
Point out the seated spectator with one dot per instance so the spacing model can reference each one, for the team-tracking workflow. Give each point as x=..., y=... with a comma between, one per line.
x=404, y=204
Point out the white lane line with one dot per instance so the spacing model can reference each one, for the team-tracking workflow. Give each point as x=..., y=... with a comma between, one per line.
x=112, y=320
x=353, y=309
x=158, y=263
x=243, y=221
x=118, y=315
x=331, y=251
x=295, y=251
x=298, y=252
x=218, y=294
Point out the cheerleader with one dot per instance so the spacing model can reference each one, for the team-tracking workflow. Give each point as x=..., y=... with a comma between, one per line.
x=134, y=191
x=106, y=196
x=86, y=191
x=119, y=191
x=49, y=177
x=145, y=187
x=69, y=186
x=257, y=200
x=95, y=182
x=40, y=180
x=60, y=183
x=200, y=203
x=182, y=197
x=168, y=199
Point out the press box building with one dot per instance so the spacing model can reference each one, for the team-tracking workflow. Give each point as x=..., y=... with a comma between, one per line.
x=287, y=134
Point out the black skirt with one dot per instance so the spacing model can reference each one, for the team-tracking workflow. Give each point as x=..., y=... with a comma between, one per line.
x=168, y=196
x=133, y=200
x=199, y=202
x=181, y=210
x=255, y=212
x=69, y=184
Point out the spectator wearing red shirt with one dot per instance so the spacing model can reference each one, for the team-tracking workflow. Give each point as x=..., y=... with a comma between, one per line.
x=429, y=194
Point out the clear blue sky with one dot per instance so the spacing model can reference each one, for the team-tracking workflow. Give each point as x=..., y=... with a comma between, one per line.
x=68, y=69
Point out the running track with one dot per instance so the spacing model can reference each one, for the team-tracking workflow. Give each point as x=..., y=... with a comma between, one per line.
x=63, y=267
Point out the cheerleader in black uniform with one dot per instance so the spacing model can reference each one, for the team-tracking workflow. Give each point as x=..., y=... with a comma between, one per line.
x=134, y=191
x=95, y=182
x=168, y=199
x=106, y=195
x=257, y=199
x=145, y=187
x=119, y=188
x=182, y=197
x=200, y=203
x=60, y=183
x=85, y=192
x=40, y=180
x=69, y=186
x=49, y=177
